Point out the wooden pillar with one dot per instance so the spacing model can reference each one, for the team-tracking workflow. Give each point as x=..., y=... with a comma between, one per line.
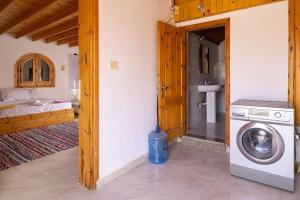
x=291, y=50
x=89, y=93
x=297, y=61
x=294, y=57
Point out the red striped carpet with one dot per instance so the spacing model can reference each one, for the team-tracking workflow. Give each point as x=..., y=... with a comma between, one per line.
x=21, y=147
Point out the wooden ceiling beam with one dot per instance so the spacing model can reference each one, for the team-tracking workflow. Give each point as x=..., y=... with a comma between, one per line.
x=63, y=35
x=73, y=44
x=181, y=1
x=4, y=4
x=68, y=40
x=25, y=16
x=55, y=30
x=56, y=18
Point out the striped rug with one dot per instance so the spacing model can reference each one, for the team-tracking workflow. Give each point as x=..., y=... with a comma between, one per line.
x=21, y=147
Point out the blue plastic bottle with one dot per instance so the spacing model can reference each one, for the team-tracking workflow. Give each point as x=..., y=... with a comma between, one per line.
x=158, y=146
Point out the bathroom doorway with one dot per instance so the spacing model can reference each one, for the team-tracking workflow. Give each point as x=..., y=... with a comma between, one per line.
x=208, y=81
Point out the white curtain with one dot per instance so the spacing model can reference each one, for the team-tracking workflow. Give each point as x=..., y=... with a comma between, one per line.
x=73, y=72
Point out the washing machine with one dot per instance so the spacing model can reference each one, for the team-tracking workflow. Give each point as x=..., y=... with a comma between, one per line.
x=262, y=142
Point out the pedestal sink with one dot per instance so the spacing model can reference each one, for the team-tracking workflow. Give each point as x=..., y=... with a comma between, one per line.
x=211, y=100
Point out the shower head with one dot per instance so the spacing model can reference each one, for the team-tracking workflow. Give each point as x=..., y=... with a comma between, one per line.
x=202, y=38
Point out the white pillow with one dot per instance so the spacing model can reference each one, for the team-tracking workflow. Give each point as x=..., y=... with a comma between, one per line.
x=11, y=94
x=32, y=92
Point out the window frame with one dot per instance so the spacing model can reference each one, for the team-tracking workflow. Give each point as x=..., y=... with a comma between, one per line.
x=37, y=81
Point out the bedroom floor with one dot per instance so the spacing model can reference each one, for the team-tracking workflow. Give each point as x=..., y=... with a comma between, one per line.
x=25, y=146
x=190, y=174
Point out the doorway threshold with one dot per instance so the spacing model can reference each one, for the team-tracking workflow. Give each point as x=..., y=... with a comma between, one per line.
x=203, y=137
x=204, y=144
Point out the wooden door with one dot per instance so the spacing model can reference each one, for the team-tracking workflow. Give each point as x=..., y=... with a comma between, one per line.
x=172, y=80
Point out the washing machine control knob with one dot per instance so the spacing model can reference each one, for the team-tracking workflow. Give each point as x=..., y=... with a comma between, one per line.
x=277, y=114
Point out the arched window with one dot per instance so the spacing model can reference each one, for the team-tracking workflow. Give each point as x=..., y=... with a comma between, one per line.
x=34, y=70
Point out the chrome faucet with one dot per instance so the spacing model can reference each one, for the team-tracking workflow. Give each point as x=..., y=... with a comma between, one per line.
x=206, y=82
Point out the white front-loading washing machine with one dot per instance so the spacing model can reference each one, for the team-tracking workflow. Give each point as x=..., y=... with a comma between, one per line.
x=262, y=140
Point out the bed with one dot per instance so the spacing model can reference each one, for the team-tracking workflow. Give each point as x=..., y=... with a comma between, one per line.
x=23, y=112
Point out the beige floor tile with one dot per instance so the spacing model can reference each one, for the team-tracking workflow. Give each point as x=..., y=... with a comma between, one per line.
x=189, y=174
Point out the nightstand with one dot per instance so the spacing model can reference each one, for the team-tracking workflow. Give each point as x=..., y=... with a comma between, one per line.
x=75, y=105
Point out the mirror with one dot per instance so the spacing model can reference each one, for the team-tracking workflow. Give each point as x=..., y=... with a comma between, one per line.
x=27, y=71
x=204, y=59
x=44, y=71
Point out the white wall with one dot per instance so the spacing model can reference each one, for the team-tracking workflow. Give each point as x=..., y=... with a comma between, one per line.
x=12, y=49
x=127, y=95
x=259, y=51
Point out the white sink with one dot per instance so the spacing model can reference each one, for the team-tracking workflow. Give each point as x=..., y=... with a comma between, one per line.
x=209, y=88
x=211, y=110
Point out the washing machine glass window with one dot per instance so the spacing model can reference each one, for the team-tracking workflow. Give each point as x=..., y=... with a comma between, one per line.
x=260, y=143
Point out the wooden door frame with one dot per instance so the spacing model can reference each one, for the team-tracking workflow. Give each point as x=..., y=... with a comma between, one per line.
x=211, y=24
x=294, y=46
x=88, y=161
x=291, y=51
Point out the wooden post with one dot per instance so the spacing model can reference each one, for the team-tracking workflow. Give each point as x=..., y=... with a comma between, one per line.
x=297, y=61
x=294, y=57
x=89, y=93
x=291, y=50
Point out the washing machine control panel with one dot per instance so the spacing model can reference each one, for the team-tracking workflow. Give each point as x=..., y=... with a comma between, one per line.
x=262, y=114
x=280, y=116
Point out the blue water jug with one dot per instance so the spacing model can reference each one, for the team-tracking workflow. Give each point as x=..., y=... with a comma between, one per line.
x=158, y=146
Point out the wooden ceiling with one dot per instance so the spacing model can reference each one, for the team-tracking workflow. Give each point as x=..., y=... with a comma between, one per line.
x=214, y=35
x=48, y=20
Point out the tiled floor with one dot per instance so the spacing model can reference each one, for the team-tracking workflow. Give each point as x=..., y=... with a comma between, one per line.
x=190, y=174
x=210, y=131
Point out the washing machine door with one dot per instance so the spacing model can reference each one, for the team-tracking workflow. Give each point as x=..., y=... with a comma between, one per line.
x=260, y=143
